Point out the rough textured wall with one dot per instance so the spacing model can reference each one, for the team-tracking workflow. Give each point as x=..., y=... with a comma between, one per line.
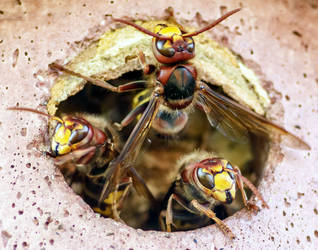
x=37, y=209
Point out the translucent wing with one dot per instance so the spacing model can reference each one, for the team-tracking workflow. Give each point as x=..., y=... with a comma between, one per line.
x=235, y=120
x=219, y=117
x=140, y=185
x=132, y=146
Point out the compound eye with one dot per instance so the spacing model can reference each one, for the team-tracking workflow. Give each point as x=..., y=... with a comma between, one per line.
x=190, y=44
x=190, y=47
x=78, y=134
x=205, y=178
x=229, y=166
x=165, y=48
x=58, y=126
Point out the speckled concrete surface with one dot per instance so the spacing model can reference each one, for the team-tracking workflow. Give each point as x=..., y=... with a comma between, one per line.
x=38, y=210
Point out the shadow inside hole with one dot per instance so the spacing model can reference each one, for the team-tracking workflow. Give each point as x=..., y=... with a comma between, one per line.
x=156, y=162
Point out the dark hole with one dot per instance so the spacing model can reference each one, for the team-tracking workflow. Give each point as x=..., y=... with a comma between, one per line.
x=156, y=162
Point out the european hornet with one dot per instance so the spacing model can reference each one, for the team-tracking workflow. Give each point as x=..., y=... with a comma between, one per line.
x=82, y=149
x=76, y=144
x=175, y=91
x=204, y=182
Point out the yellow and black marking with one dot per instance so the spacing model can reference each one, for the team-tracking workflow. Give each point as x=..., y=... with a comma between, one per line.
x=216, y=181
x=91, y=195
x=141, y=98
x=68, y=136
x=169, y=47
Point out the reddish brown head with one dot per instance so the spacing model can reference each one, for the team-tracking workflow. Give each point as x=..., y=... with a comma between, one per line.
x=170, y=43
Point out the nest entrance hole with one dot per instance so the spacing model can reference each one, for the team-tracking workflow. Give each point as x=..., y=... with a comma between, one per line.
x=156, y=162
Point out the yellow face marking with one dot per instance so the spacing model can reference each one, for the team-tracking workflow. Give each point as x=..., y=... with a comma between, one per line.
x=224, y=187
x=168, y=31
x=61, y=149
x=171, y=31
x=223, y=181
x=60, y=141
x=176, y=38
x=159, y=27
x=74, y=125
x=217, y=168
x=167, y=44
x=219, y=195
x=62, y=135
